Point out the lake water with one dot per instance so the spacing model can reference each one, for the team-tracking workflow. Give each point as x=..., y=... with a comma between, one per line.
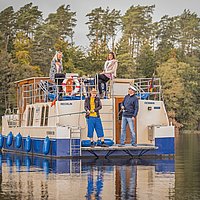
x=24, y=177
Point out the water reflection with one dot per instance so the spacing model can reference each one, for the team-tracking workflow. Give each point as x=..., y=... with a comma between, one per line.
x=187, y=167
x=94, y=187
x=27, y=177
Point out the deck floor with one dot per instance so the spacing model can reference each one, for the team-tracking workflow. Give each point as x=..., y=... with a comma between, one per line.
x=117, y=150
x=116, y=147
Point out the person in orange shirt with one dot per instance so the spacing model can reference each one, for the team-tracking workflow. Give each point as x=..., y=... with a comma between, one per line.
x=92, y=106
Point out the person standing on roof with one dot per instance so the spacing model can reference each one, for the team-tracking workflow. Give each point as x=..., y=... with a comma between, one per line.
x=56, y=72
x=130, y=110
x=56, y=65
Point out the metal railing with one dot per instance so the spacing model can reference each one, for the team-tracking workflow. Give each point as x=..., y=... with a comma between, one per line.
x=45, y=91
x=148, y=88
x=13, y=117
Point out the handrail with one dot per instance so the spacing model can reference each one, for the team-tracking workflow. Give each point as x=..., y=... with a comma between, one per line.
x=45, y=91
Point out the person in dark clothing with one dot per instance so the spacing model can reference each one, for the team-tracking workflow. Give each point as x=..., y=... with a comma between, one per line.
x=92, y=106
x=130, y=110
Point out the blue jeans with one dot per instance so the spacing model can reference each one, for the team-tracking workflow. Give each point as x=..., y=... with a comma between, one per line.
x=94, y=123
x=129, y=121
x=128, y=181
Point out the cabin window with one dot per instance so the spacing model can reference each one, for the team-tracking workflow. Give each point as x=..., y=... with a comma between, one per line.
x=28, y=117
x=42, y=116
x=32, y=116
x=30, y=93
x=46, y=116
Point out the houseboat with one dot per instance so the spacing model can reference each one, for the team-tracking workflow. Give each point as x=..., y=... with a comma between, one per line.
x=49, y=119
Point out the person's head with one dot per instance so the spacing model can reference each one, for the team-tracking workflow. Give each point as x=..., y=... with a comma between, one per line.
x=111, y=56
x=93, y=92
x=59, y=55
x=132, y=90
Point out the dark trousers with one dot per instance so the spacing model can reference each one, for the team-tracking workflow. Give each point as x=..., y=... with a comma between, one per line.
x=102, y=79
x=59, y=78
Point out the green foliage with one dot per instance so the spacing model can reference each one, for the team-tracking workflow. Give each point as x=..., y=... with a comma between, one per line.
x=22, y=46
x=191, y=102
x=28, y=18
x=136, y=27
x=145, y=62
x=169, y=46
x=180, y=87
x=126, y=69
x=51, y=36
x=188, y=39
x=170, y=73
x=103, y=26
x=64, y=21
x=6, y=30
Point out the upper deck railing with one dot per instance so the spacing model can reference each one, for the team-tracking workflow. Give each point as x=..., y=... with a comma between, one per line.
x=148, y=88
x=74, y=87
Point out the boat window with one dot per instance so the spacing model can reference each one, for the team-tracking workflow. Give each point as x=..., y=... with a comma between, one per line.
x=28, y=117
x=46, y=116
x=32, y=116
x=42, y=116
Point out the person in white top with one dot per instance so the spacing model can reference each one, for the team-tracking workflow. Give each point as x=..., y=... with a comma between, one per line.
x=109, y=72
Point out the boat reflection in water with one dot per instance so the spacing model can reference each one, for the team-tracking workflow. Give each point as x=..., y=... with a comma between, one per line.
x=26, y=177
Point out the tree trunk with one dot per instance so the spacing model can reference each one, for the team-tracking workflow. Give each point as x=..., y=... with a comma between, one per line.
x=198, y=126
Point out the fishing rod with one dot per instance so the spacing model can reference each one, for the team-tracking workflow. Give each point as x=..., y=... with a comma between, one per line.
x=119, y=116
x=75, y=113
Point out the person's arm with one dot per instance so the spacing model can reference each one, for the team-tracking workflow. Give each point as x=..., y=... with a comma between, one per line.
x=86, y=105
x=99, y=107
x=136, y=107
x=112, y=66
x=52, y=70
x=122, y=103
x=61, y=66
x=105, y=66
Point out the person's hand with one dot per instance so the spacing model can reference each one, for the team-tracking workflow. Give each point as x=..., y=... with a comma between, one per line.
x=133, y=118
x=122, y=107
x=87, y=112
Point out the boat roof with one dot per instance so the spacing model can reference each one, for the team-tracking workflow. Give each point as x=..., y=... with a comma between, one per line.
x=23, y=81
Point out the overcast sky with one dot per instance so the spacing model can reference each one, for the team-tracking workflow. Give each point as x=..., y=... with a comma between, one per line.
x=82, y=7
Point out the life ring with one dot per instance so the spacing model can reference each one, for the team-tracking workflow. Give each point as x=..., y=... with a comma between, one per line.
x=68, y=84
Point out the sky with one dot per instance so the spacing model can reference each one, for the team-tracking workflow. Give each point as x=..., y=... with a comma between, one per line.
x=82, y=7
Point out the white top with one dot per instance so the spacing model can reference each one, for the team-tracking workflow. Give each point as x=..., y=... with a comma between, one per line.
x=110, y=68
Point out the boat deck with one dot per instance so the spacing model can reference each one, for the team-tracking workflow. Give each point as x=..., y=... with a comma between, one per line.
x=115, y=150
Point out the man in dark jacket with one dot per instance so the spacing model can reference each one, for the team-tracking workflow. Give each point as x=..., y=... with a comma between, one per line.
x=92, y=107
x=130, y=110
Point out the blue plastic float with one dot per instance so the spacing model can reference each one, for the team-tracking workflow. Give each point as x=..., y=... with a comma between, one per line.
x=46, y=145
x=18, y=140
x=1, y=141
x=9, y=139
x=28, y=142
x=87, y=143
x=109, y=142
